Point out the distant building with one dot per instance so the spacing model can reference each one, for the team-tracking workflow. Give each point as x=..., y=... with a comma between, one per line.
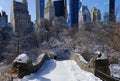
x=59, y=8
x=65, y=9
x=95, y=15
x=117, y=10
x=3, y=19
x=20, y=18
x=79, y=4
x=59, y=22
x=42, y=30
x=106, y=17
x=40, y=5
x=109, y=13
x=84, y=17
x=73, y=7
x=49, y=12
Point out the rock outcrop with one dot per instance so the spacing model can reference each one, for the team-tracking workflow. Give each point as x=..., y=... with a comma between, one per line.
x=26, y=67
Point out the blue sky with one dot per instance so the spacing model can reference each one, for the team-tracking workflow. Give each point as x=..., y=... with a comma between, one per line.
x=5, y=5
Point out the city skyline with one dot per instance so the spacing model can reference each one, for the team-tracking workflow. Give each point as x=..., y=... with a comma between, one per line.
x=5, y=6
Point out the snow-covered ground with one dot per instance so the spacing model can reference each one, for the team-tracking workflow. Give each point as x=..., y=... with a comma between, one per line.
x=66, y=70
x=115, y=70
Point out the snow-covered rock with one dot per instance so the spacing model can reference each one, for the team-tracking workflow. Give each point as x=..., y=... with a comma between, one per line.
x=51, y=54
x=81, y=58
x=61, y=71
x=115, y=70
x=102, y=55
x=23, y=58
x=40, y=57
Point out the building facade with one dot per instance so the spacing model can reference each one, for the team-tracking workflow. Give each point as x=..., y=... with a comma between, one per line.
x=40, y=5
x=59, y=22
x=109, y=13
x=49, y=12
x=95, y=15
x=3, y=19
x=84, y=16
x=59, y=8
x=73, y=7
x=117, y=10
x=20, y=18
x=65, y=9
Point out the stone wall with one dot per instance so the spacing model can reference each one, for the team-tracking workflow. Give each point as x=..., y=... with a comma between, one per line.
x=100, y=68
x=82, y=65
x=23, y=69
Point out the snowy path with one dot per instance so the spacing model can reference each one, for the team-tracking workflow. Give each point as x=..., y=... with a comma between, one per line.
x=61, y=71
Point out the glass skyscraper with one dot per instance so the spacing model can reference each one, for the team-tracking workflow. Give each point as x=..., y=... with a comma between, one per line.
x=117, y=10
x=59, y=8
x=40, y=5
x=80, y=4
x=73, y=7
x=109, y=13
x=106, y=11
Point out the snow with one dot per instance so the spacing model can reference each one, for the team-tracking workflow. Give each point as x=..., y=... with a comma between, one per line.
x=3, y=68
x=103, y=56
x=51, y=54
x=115, y=70
x=66, y=70
x=23, y=58
x=39, y=59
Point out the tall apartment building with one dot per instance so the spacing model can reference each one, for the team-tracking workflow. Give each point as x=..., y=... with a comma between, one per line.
x=95, y=15
x=84, y=16
x=49, y=11
x=40, y=5
x=20, y=18
x=73, y=7
x=59, y=8
x=109, y=13
x=3, y=19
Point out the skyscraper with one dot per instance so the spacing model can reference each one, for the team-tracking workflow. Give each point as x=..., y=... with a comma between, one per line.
x=84, y=16
x=95, y=15
x=112, y=10
x=40, y=5
x=3, y=19
x=109, y=13
x=59, y=8
x=65, y=9
x=117, y=10
x=20, y=18
x=73, y=7
x=49, y=11
x=80, y=4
